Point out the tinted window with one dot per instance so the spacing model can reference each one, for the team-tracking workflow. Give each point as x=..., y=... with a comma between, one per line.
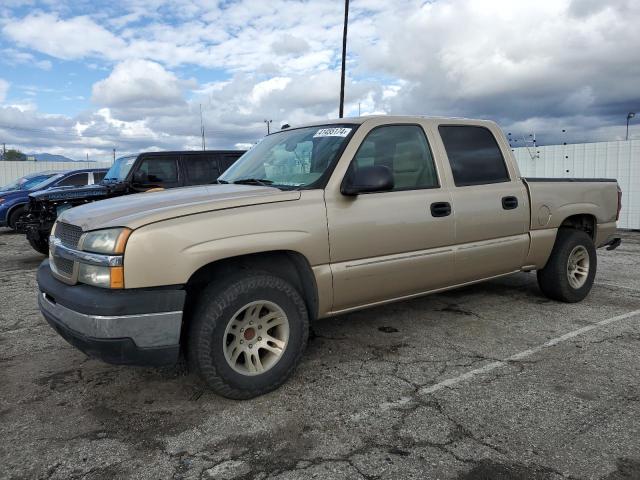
x=201, y=170
x=98, y=176
x=474, y=155
x=77, y=180
x=405, y=151
x=161, y=171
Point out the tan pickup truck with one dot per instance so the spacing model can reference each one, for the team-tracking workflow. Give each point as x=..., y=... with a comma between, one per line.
x=312, y=222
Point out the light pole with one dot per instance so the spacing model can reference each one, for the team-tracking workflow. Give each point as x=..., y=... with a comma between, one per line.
x=344, y=56
x=630, y=115
x=268, y=122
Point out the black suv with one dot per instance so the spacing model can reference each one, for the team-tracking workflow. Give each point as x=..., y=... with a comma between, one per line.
x=127, y=175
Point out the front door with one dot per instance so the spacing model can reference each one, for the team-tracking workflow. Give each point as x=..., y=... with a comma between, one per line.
x=389, y=245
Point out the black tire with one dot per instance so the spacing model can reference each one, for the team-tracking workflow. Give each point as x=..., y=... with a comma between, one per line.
x=216, y=306
x=38, y=242
x=553, y=278
x=14, y=216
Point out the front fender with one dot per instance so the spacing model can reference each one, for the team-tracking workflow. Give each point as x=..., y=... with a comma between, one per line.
x=171, y=251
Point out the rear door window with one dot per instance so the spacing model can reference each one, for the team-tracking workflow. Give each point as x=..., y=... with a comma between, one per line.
x=75, y=180
x=474, y=155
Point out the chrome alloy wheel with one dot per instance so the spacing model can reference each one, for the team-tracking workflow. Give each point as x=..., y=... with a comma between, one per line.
x=256, y=337
x=578, y=266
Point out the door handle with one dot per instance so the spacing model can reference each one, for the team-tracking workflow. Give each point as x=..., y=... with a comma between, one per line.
x=440, y=209
x=509, y=203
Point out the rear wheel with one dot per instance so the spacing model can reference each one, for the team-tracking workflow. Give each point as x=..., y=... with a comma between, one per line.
x=247, y=335
x=39, y=242
x=14, y=216
x=571, y=269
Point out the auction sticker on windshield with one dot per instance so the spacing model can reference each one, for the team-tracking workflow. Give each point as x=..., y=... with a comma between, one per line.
x=332, y=132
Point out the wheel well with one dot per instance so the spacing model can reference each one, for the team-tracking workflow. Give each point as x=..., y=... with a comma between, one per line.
x=13, y=209
x=288, y=265
x=584, y=222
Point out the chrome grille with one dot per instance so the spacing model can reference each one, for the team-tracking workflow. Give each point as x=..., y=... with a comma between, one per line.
x=63, y=266
x=69, y=235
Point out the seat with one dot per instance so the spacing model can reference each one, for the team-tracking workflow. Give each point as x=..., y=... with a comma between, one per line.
x=408, y=165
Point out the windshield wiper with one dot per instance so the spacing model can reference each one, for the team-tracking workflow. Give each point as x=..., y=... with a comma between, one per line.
x=253, y=181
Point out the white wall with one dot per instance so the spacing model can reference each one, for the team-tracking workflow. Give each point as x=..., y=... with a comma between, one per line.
x=620, y=160
x=9, y=171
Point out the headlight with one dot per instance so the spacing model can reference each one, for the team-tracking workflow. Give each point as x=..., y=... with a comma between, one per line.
x=105, y=277
x=110, y=241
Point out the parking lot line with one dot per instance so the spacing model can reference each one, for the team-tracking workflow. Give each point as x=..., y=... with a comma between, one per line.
x=525, y=353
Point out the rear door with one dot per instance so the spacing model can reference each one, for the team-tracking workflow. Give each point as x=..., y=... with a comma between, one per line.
x=490, y=204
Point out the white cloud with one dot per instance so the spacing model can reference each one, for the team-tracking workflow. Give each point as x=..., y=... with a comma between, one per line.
x=74, y=38
x=138, y=88
x=538, y=65
x=12, y=56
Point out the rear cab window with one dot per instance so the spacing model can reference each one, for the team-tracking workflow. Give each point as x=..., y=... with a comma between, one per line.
x=474, y=155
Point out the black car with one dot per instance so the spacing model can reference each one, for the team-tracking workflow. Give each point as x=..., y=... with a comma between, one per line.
x=127, y=175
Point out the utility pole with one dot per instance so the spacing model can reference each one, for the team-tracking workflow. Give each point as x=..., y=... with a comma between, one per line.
x=268, y=122
x=87, y=156
x=204, y=144
x=630, y=115
x=344, y=56
x=114, y=155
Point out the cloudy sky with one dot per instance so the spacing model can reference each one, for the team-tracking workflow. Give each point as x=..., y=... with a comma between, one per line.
x=84, y=76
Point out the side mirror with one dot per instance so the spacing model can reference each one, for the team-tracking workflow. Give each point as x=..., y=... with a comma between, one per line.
x=367, y=180
x=140, y=178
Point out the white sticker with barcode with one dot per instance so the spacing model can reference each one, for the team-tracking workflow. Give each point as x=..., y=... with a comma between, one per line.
x=332, y=132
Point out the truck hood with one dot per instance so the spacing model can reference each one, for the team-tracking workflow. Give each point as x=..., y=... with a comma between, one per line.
x=134, y=211
x=58, y=194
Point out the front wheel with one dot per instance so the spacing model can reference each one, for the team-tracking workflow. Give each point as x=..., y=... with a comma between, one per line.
x=14, y=217
x=569, y=274
x=247, y=336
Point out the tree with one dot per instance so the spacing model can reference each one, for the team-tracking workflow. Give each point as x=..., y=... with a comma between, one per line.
x=12, y=155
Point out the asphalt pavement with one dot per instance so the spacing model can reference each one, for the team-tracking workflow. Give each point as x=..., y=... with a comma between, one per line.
x=492, y=381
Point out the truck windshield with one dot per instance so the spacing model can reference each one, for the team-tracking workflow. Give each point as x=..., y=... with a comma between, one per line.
x=120, y=168
x=296, y=158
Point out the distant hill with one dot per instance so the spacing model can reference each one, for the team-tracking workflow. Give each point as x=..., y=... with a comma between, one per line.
x=49, y=157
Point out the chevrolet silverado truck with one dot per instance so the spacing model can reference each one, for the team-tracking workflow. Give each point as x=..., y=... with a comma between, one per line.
x=312, y=222
x=130, y=174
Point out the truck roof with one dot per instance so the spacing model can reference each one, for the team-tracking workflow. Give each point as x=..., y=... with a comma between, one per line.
x=393, y=118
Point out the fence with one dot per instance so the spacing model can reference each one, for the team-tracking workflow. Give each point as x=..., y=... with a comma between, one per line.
x=620, y=160
x=9, y=171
